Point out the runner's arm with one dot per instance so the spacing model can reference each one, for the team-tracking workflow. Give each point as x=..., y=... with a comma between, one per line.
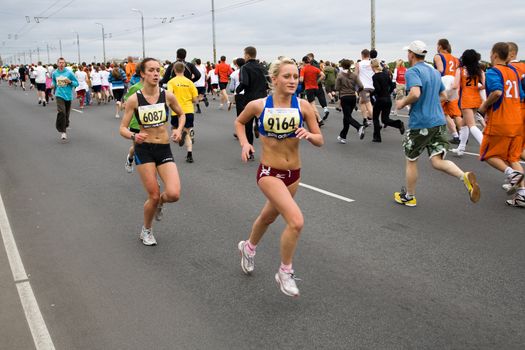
x=175, y=107
x=313, y=133
x=253, y=108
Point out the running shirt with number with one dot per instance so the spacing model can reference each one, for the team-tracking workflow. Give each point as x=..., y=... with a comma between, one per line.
x=152, y=115
x=280, y=123
x=469, y=96
x=504, y=116
x=450, y=64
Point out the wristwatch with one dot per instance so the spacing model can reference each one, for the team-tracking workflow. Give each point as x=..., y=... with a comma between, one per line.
x=133, y=136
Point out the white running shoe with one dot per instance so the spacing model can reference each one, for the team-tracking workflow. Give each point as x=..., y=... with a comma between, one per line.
x=117, y=116
x=286, y=282
x=514, y=180
x=341, y=140
x=128, y=165
x=147, y=237
x=63, y=137
x=247, y=259
x=158, y=213
x=457, y=152
x=517, y=201
x=361, y=132
x=479, y=118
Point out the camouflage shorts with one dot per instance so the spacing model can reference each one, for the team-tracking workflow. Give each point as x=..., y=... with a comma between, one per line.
x=432, y=139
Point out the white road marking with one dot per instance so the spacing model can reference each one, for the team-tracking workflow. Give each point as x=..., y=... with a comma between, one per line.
x=34, y=318
x=77, y=110
x=326, y=192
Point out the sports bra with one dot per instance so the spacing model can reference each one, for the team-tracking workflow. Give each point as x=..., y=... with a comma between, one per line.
x=152, y=115
x=280, y=123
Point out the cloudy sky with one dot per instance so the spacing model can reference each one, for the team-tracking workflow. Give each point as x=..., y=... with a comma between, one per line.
x=332, y=29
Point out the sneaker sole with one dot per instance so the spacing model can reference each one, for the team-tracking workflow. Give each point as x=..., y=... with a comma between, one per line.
x=406, y=204
x=239, y=246
x=278, y=280
x=514, y=187
x=475, y=194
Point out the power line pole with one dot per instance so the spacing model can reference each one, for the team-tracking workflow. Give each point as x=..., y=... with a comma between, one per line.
x=103, y=42
x=213, y=30
x=60, y=44
x=48, y=60
x=142, y=23
x=373, y=25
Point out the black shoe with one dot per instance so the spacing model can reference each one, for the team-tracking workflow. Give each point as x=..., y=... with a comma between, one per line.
x=189, y=158
x=235, y=135
x=454, y=140
x=320, y=123
x=206, y=103
x=402, y=128
x=326, y=115
x=338, y=109
x=39, y=102
x=198, y=111
x=183, y=138
x=376, y=140
x=365, y=123
x=44, y=103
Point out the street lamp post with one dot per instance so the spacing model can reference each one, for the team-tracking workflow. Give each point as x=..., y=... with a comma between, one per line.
x=373, y=24
x=78, y=46
x=103, y=41
x=142, y=23
x=48, y=60
x=213, y=30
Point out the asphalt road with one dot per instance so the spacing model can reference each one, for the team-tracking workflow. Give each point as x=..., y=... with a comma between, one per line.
x=447, y=274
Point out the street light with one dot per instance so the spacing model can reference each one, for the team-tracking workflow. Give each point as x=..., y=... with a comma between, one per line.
x=103, y=41
x=78, y=46
x=373, y=24
x=142, y=21
x=213, y=30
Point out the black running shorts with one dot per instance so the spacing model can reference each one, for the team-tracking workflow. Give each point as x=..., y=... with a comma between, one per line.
x=153, y=153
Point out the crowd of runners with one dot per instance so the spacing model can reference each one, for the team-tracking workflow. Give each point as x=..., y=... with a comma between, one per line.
x=447, y=101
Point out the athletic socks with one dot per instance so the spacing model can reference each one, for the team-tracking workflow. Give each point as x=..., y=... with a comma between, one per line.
x=478, y=135
x=250, y=247
x=455, y=134
x=286, y=268
x=508, y=171
x=463, y=137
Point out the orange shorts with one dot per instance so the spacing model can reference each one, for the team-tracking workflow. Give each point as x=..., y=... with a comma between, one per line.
x=506, y=148
x=451, y=108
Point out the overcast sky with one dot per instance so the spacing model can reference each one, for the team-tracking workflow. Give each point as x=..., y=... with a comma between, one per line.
x=332, y=29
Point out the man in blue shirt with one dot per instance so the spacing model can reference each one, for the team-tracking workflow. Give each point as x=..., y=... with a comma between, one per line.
x=64, y=81
x=427, y=126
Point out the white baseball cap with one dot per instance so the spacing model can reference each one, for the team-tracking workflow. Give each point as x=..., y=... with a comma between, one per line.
x=418, y=47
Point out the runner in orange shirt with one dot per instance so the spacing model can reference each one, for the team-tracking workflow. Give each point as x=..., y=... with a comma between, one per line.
x=502, y=137
x=223, y=70
x=520, y=67
x=131, y=68
x=447, y=64
x=470, y=79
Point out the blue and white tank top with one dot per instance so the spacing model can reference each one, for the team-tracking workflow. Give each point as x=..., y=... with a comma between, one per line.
x=280, y=123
